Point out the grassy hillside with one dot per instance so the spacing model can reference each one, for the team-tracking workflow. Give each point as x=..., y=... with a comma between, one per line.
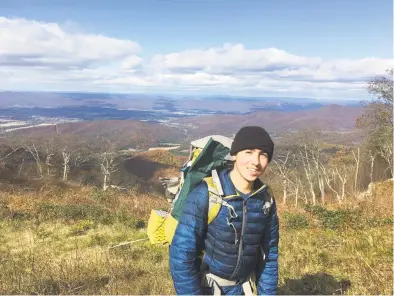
x=58, y=241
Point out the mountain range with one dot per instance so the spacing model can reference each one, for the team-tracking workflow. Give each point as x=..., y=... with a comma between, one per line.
x=184, y=116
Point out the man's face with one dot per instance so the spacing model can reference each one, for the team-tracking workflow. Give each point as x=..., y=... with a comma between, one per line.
x=250, y=164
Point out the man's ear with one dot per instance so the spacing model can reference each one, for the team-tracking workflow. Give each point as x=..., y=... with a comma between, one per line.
x=234, y=157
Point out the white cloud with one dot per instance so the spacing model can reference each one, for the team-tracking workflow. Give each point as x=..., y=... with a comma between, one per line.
x=37, y=55
x=131, y=62
x=235, y=59
x=32, y=43
x=231, y=58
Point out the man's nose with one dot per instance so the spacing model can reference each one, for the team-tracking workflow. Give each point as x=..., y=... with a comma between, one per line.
x=255, y=159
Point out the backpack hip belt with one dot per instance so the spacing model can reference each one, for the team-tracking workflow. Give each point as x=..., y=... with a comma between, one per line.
x=211, y=280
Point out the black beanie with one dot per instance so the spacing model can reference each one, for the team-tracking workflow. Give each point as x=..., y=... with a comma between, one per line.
x=253, y=137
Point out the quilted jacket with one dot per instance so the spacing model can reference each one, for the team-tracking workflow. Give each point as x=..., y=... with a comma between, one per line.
x=232, y=248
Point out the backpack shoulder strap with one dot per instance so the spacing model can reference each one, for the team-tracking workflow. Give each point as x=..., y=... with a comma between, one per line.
x=216, y=197
x=268, y=200
x=215, y=193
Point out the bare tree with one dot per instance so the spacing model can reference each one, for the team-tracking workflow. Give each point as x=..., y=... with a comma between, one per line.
x=357, y=160
x=74, y=153
x=108, y=167
x=342, y=175
x=309, y=147
x=282, y=170
x=48, y=163
x=49, y=149
x=372, y=156
x=66, y=163
x=386, y=151
x=11, y=146
x=329, y=176
x=304, y=154
x=32, y=149
x=297, y=186
x=315, y=154
x=108, y=162
x=81, y=158
x=21, y=166
x=13, y=150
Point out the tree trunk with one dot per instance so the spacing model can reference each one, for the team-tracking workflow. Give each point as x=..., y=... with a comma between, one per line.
x=357, y=159
x=296, y=193
x=322, y=189
x=372, y=164
x=66, y=164
x=311, y=189
x=105, y=186
x=65, y=169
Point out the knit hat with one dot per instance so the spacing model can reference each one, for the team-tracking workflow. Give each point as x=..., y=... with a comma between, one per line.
x=253, y=137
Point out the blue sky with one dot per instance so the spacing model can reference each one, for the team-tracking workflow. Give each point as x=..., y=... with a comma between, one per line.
x=339, y=33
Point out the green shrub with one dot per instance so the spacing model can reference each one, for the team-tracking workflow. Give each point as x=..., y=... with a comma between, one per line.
x=4, y=212
x=98, y=194
x=376, y=222
x=127, y=220
x=42, y=233
x=82, y=227
x=295, y=221
x=98, y=240
x=108, y=197
x=335, y=219
x=76, y=212
x=21, y=216
x=7, y=214
x=324, y=258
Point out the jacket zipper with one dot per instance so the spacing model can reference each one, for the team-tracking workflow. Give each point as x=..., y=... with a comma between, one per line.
x=240, y=251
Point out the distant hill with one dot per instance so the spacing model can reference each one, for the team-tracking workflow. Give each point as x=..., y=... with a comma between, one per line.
x=90, y=106
x=123, y=133
x=331, y=118
x=336, y=120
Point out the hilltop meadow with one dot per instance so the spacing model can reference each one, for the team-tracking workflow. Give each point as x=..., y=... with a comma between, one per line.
x=74, y=206
x=58, y=241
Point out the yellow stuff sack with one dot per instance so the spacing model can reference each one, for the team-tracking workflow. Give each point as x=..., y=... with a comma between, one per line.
x=155, y=229
x=162, y=225
x=170, y=227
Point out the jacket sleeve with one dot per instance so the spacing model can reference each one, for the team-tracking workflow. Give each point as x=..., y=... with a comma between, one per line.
x=188, y=242
x=267, y=271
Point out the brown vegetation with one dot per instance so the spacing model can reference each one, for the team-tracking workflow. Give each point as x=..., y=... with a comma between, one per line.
x=58, y=241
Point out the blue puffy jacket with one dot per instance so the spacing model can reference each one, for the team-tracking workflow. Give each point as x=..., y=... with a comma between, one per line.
x=232, y=251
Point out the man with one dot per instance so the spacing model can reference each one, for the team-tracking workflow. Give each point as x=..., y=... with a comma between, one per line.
x=240, y=246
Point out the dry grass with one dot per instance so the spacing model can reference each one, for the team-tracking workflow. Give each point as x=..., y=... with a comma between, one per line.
x=70, y=254
x=337, y=262
x=50, y=261
x=68, y=251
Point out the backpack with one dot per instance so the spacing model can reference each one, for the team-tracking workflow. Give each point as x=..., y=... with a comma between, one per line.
x=207, y=156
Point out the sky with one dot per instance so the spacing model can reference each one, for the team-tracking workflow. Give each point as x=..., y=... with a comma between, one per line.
x=283, y=48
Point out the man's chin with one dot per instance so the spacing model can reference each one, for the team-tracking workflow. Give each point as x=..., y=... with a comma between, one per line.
x=252, y=178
